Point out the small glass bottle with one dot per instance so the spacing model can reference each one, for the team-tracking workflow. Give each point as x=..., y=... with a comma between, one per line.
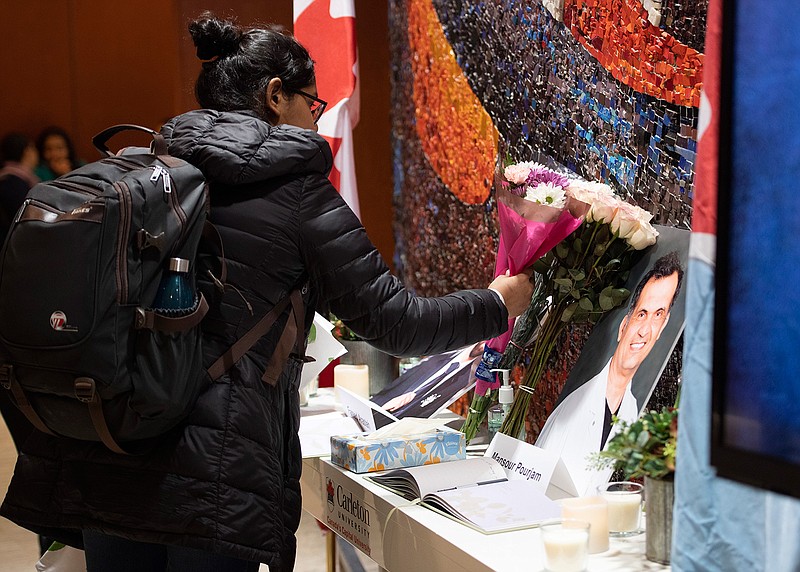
x=497, y=412
x=175, y=293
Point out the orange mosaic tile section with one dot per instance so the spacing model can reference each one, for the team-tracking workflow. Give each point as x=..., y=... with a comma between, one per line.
x=638, y=54
x=455, y=131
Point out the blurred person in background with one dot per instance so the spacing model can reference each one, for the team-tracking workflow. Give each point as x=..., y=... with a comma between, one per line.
x=56, y=153
x=19, y=159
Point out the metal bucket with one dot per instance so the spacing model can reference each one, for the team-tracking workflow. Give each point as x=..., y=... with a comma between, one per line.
x=382, y=366
x=659, y=497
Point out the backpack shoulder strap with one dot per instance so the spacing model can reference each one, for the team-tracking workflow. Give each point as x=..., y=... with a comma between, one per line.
x=294, y=329
x=9, y=382
x=84, y=392
x=291, y=341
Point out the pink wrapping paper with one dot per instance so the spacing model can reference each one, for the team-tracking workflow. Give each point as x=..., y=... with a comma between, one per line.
x=528, y=231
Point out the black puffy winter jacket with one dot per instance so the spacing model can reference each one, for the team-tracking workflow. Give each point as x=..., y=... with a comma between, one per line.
x=228, y=479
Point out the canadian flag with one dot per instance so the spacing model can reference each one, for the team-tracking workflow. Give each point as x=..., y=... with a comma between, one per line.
x=327, y=28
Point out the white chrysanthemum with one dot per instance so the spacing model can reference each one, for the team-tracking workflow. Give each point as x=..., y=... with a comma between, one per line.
x=547, y=194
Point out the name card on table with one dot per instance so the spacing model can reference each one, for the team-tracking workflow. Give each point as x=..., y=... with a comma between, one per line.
x=523, y=461
x=368, y=415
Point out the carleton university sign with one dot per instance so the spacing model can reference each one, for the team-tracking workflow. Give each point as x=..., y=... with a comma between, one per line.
x=348, y=515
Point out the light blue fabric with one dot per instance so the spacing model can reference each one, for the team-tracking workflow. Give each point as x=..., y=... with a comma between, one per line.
x=720, y=525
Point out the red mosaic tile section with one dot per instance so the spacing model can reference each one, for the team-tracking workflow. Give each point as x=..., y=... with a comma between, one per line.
x=638, y=54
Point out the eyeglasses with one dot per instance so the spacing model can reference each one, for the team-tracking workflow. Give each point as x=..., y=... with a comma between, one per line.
x=317, y=106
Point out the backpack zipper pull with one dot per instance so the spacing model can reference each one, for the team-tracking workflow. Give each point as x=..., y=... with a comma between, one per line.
x=21, y=210
x=159, y=171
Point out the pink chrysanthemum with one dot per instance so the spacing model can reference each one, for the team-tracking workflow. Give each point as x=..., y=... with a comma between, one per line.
x=542, y=175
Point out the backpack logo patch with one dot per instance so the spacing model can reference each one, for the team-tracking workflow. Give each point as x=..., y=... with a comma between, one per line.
x=58, y=321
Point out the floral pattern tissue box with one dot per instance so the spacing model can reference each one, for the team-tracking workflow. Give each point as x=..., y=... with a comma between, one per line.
x=363, y=455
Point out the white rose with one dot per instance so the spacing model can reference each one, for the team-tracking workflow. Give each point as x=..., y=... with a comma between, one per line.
x=625, y=220
x=601, y=189
x=581, y=194
x=590, y=187
x=643, y=236
x=604, y=208
x=599, y=196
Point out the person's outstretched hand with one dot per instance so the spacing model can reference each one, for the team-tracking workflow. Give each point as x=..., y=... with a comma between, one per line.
x=515, y=290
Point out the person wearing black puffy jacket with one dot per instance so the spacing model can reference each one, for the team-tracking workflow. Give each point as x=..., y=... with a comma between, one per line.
x=222, y=492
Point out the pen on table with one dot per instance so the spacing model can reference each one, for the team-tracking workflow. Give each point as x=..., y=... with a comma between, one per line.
x=500, y=480
x=470, y=485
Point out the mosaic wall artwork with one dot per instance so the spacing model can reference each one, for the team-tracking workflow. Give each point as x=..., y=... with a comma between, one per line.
x=606, y=89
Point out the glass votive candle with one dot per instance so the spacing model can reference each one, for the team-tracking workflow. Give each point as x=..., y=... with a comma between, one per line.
x=593, y=510
x=566, y=545
x=304, y=396
x=624, y=508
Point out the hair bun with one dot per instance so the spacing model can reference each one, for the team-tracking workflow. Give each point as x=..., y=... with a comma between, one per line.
x=214, y=37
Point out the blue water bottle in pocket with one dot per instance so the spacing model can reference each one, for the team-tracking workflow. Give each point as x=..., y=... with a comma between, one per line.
x=175, y=292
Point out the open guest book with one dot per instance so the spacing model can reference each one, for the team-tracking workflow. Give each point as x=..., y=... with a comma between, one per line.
x=473, y=491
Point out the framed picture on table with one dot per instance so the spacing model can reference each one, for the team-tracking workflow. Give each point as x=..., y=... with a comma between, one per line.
x=432, y=385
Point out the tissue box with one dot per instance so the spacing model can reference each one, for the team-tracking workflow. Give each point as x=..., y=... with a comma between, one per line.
x=362, y=455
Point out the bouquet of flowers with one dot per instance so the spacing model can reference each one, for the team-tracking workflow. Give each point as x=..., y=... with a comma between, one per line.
x=580, y=272
x=535, y=214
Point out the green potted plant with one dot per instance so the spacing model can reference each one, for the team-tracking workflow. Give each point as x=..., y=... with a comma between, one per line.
x=646, y=449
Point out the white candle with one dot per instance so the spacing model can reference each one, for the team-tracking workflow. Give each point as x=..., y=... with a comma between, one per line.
x=565, y=546
x=593, y=510
x=624, y=507
x=352, y=377
x=623, y=511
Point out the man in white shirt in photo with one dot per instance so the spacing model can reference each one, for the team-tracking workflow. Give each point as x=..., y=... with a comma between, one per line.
x=581, y=423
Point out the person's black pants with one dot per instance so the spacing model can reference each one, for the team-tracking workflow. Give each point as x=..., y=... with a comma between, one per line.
x=19, y=427
x=106, y=553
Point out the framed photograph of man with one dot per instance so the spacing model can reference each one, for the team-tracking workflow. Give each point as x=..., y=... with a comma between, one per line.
x=432, y=385
x=622, y=360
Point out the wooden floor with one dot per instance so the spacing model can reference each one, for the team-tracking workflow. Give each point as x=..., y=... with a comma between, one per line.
x=19, y=549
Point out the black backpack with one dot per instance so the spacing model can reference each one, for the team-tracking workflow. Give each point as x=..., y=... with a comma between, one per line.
x=81, y=350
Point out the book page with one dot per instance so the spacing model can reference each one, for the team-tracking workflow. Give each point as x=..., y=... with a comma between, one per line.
x=416, y=482
x=495, y=507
